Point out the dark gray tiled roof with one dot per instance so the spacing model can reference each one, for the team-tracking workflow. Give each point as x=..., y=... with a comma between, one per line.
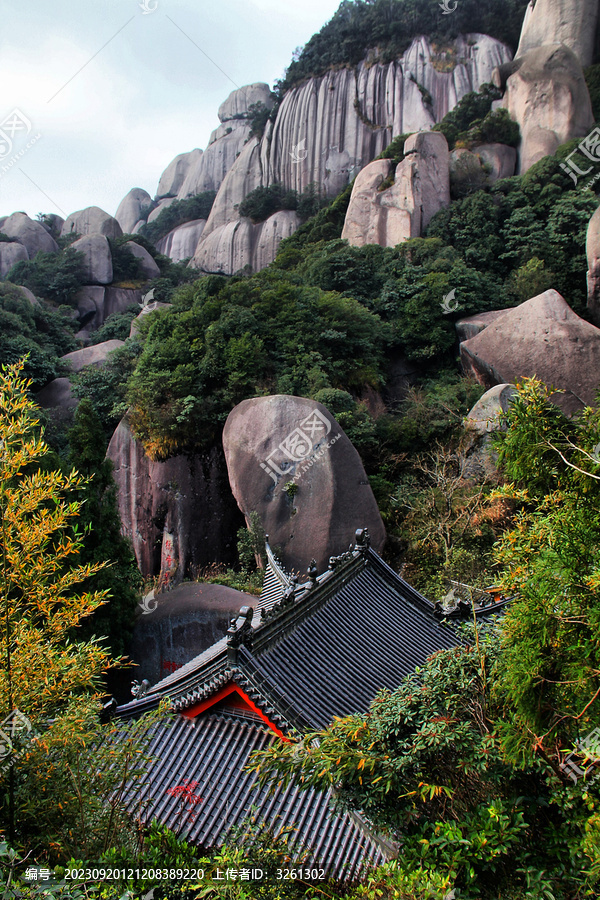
x=308, y=652
x=370, y=634
x=321, y=649
x=213, y=751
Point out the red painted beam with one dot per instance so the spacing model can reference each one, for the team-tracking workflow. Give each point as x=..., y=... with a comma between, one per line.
x=246, y=702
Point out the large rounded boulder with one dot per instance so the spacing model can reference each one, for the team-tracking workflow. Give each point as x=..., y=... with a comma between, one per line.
x=97, y=261
x=290, y=462
x=174, y=627
x=133, y=208
x=10, y=254
x=547, y=96
x=569, y=22
x=487, y=416
x=31, y=234
x=541, y=338
x=96, y=355
x=92, y=220
x=402, y=211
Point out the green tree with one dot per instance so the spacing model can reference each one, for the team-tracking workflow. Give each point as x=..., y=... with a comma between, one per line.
x=42, y=670
x=38, y=332
x=61, y=788
x=426, y=767
x=178, y=213
x=551, y=561
x=54, y=276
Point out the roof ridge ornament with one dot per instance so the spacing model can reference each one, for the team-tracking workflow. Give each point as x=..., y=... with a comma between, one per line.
x=288, y=599
x=363, y=540
x=276, y=563
x=239, y=633
x=140, y=689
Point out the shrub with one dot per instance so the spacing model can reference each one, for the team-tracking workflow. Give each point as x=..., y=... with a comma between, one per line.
x=116, y=327
x=258, y=116
x=262, y=202
x=126, y=266
x=469, y=113
x=178, y=213
x=53, y=276
x=41, y=333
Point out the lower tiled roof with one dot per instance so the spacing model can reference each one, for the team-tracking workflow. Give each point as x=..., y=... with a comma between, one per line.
x=212, y=751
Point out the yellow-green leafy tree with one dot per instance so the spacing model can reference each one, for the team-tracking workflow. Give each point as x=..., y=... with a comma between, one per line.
x=60, y=772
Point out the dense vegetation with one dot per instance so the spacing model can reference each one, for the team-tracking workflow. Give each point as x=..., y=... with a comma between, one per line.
x=178, y=213
x=262, y=202
x=390, y=25
x=473, y=122
x=54, y=276
x=40, y=332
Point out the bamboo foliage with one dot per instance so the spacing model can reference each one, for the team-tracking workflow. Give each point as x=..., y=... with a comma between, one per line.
x=42, y=588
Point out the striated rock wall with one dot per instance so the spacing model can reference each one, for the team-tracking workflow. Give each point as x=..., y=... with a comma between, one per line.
x=240, y=244
x=197, y=171
x=346, y=118
x=207, y=170
x=181, y=242
x=329, y=128
x=246, y=175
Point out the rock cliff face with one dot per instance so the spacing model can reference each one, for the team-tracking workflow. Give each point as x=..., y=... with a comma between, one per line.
x=174, y=175
x=230, y=248
x=546, y=93
x=192, y=173
x=548, y=97
x=179, y=514
x=329, y=128
x=181, y=242
x=569, y=22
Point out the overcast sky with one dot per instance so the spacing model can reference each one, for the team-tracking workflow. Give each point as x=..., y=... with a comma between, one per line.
x=106, y=94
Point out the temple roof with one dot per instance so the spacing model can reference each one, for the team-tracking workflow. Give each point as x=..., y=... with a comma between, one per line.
x=206, y=761
x=308, y=652
x=314, y=650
